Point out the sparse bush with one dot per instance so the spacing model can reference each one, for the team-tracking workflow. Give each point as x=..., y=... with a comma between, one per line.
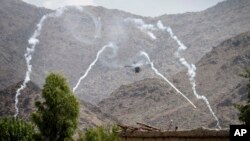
x=15, y=129
x=102, y=133
x=244, y=115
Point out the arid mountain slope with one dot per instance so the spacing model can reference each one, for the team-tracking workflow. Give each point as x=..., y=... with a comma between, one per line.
x=16, y=26
x=68, y=44
x=26, y=100
x=201, y=31
x=90, y=115
x=152, y=101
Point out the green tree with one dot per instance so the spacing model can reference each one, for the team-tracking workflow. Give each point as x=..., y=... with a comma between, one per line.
x=15, y=129
x=57, y=115
x=102, y=133
x=244, y=115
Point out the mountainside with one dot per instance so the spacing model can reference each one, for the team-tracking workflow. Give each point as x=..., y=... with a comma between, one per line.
x=107, y=44
x=17, y=24
x=90, y=115
x=200, y=31
x=26, y=100
x=152, y=101
x=69, y=43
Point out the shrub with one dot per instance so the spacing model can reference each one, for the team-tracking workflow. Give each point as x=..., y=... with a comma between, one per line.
x=102, y=133
x=244, y=115
x=15, y=129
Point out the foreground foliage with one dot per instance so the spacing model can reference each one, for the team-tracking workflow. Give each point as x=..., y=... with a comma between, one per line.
x=102, y=133
x=15, y=129
x=57, y=116
x=244, y=115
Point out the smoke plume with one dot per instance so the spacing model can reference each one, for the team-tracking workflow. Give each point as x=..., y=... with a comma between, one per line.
x=110, y=45
x=33, y=41
x=97, y=21
x=142, y=53
x=190, y=67
x=146, y=28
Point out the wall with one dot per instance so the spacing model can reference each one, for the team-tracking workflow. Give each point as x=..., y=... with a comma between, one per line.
x=190, y=135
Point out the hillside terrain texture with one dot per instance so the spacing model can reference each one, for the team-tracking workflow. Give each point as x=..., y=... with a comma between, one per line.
x=217, y=41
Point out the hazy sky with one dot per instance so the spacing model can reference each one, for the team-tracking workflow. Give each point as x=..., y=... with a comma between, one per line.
x=139, y=7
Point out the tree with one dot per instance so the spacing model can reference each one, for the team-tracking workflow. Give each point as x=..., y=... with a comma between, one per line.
x=57, y=116
x=15, y=129
x=244, y=115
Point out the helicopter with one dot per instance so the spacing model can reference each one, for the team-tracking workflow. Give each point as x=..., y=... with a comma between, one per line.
x=137, y=69
x=135, y=66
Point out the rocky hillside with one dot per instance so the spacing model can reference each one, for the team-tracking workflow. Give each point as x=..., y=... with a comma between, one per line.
x=152, y=101
x=16, y=26
x=69, y=43
x=201, y=31
x=26, y=100
x=90, y=115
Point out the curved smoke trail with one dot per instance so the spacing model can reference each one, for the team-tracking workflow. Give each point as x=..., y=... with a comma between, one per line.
x=191, y=68
x=110, y=45
x=143, y=26
x=97, y=21
x=33, y=41
x=142, y=53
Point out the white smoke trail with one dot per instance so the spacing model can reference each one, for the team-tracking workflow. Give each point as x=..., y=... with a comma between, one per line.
x=191, y=68
x=142, y=53
x=98, y=28
x=33, y=41
x=97, y=21
x=146, y=28
x=110, y=45
x=151, y=35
